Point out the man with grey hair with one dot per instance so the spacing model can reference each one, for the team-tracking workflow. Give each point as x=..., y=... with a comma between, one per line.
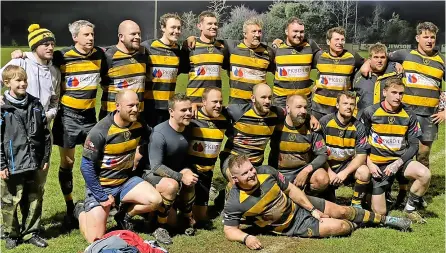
x=82, y=67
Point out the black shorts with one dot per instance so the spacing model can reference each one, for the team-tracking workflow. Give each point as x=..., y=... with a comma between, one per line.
x=350, y=178
x=429, y=129
x=71, y=128
x=305, y=225
x=203, y=187
x=118, y=193
x=291, y=174
x=154, y=117
x=384, y=183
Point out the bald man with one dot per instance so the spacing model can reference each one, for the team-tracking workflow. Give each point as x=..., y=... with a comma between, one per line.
x=298, y=152
x=127, y=64
x=107, y=162
x=251, y=127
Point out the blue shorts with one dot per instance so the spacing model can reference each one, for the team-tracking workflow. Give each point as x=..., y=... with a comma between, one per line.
x=117, y=191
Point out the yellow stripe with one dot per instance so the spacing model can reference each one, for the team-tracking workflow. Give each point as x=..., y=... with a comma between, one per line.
x=245, y=80
x=262, y=204
x=206, y=58
x=366, y=215
x=164, y=60
x=115, y=89
x=288, y=220
x=204, y=168
x=217, y=134
x=342, y=142
x=436, y=58
x=335, y=68
x=128, y=69
x=290, y=59
x=381, y=113
x=324, y=100
x=78, y=103
x=202, y=155
x=169, y=81
x=237, y=93
x=420, y=86
x=254, y=129
x=82, y=66
x=332, y=123
x=381, y=159
x=106, y=181
x=111, y=106
x=420, y=101
x=347, y=55
x=116, y=130
x=421, y=68
x=195, y=92
x=119, y=148
x=249, y=61
x=278, y=91
x=294, y=147
x=158, y=94
x=389, y=129
x=377, y=218
x=252, y=113
x=89, y=87
x=381, y=147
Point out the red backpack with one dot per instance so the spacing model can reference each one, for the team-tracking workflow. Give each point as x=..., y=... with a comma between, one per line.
x=136, y=241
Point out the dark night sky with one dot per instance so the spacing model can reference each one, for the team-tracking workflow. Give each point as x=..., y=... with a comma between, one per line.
x=107, y=15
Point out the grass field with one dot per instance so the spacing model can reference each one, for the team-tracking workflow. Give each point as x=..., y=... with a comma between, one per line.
x=424, y=238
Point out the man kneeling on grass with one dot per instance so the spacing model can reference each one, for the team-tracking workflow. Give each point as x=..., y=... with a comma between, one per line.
x=263, y=197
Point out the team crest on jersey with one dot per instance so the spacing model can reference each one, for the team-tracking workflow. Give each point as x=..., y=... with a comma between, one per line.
x=336, y=61
x=391, y=120
x=127, y=135
x=210, y=49
x=426, y=61
x=132, y=60
x=309, y=232
x=251, y=53
x=292, y=137
x=293, y=51
x=211, y=124
x=341, y=133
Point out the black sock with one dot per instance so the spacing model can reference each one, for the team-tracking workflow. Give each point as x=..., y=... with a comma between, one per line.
x=360, y=189
x=413, y=202
x=66, y=185
x=361, y=216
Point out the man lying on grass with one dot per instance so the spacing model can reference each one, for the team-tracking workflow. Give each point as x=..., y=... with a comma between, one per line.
x=263, y=197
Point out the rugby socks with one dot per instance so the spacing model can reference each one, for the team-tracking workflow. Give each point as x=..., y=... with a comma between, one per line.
x=412, y=202
x=66, y=185
x=187, y=200
x=359, y=189
x=402, y=192
x=163, y=211
x=361, y=216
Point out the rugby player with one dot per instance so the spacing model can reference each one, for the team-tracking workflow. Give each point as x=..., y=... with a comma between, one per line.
x=126, y=67
x=164, y=66
x=251, y=127
x=393, y=133
x=335, y=69
x=293, y=60
x=206, y=59
x=168, y=172
x=207, y=133
x=266, y=199
x=107, y=162
x=424, y=70
x=347, y=147
x=298, y=152
x=249, y=61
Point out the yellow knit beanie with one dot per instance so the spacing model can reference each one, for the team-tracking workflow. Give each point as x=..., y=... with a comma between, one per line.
x=37, y=36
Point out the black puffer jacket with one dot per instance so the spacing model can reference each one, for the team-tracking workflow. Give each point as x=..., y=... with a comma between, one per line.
x=26, y=143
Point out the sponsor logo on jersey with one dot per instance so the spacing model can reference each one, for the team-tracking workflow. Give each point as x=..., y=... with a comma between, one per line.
x=72, y=82
x=339, y=153
x=294, y=71
x=238, y=72
x=164, y=73
x=131, y=82
x=206, y=147
x=391, y=142
x=330, y=80
x=208, y=70
x=414, y=78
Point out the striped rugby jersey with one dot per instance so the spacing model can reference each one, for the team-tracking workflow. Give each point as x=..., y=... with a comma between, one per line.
x=112, y=149
x=423, y=77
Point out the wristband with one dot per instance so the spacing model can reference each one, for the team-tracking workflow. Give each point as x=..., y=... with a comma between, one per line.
x=312, y=209
x=246, y=237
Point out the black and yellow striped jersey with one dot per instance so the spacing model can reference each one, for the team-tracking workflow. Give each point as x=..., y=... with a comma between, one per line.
x=125, y=71
x=206, y=137
x=423, y=76
x=293, y=148
x=388, y=133
x=112, y=149
x=249, y=132
x=335, y=74
x=266, y=206
x=293, y=67
x=369, y=91
x=248, y=67
x=164, y=67
x=81, y=75
x=206, y=61
x=343, y=141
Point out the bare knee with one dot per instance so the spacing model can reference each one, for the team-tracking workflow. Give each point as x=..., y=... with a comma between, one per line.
x=363, y=174
x=319, y=181
x=168, y=187
x=379, y=209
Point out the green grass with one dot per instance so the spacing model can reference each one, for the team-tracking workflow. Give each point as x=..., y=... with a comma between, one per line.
x=424, y=238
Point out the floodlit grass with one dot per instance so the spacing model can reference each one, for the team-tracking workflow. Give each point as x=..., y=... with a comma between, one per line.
x=423, y=238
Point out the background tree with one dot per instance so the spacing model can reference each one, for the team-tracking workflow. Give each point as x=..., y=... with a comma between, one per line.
x=220, y=9
x=189, y=27
x=233, y=28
